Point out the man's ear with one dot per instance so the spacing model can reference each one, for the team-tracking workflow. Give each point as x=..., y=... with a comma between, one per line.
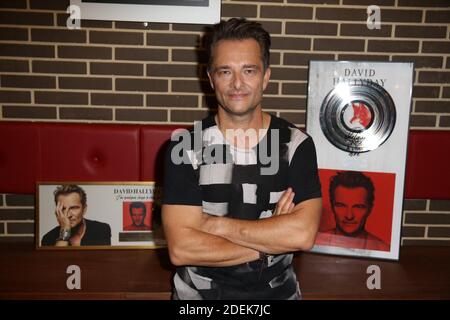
x=210, y=79
x=266, y=78
x=84, y=210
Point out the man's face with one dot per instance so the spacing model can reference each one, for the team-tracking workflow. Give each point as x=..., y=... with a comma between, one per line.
x=138, y=216
x=237, y=75
x=76, y=212
x=350, y=209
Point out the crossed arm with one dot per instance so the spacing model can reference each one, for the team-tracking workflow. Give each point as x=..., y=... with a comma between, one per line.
x=207, y=240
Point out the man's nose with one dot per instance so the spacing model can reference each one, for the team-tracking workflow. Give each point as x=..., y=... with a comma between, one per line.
x=237, y=80
x=349, y=214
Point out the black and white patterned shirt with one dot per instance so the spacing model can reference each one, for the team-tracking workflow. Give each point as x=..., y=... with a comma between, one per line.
x=241, y=184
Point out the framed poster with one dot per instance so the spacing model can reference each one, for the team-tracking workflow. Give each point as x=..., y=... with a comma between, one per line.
x=358, y=115
x=170, y=11
x=106, y=215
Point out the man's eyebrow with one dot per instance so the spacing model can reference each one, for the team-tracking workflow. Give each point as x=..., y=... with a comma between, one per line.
x=255, y=66
x=245, y=66
x=222, y=67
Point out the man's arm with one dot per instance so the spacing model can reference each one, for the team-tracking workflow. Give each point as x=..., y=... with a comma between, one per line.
x=287, y=232
x=62, y=216
x=277, y=234
x=188, y=245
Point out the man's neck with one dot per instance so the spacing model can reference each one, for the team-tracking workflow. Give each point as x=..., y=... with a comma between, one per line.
x=255, y=119
x=362, y=234
x=238, y=130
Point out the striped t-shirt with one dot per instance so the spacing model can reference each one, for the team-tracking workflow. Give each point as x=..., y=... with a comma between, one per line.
x=241, y=184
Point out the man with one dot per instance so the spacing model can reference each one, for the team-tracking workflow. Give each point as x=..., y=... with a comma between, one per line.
x=232, y=223
x=73, y=229
x=352, y=196
x=138, y=211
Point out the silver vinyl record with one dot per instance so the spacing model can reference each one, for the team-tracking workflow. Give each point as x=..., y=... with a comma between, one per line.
x=357, y=118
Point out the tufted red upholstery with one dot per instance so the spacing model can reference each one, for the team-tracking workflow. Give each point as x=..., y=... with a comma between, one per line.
x=31, y=152
x=154, y=139
x=19, y=161
x=89, y=152
x=427, y=170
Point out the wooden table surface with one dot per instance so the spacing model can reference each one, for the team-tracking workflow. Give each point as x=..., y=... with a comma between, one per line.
x=25, y=273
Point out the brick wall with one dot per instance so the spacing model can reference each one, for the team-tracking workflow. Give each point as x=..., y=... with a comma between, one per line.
x=130, y=73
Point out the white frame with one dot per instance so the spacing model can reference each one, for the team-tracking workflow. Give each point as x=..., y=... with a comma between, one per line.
x=398, y=80
x=150, y=13
x=103, y=205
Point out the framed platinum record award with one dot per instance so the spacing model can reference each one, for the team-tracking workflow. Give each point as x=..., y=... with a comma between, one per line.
x=358, y=115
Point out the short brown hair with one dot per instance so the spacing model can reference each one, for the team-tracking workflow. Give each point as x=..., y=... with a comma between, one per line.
x=241, y=29
x=352, y=179
x=70, y=188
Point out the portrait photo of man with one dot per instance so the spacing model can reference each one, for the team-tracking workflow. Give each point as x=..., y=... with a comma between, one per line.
x=351, y=200
x=137, y=212
x=73, y=228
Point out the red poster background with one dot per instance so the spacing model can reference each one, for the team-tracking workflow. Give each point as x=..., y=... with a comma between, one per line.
x=127, y=218
x=379, y=222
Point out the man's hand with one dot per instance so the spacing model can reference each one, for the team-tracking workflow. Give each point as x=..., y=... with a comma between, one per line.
x=291, y=228
x=285, y=204
x=62, y=216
